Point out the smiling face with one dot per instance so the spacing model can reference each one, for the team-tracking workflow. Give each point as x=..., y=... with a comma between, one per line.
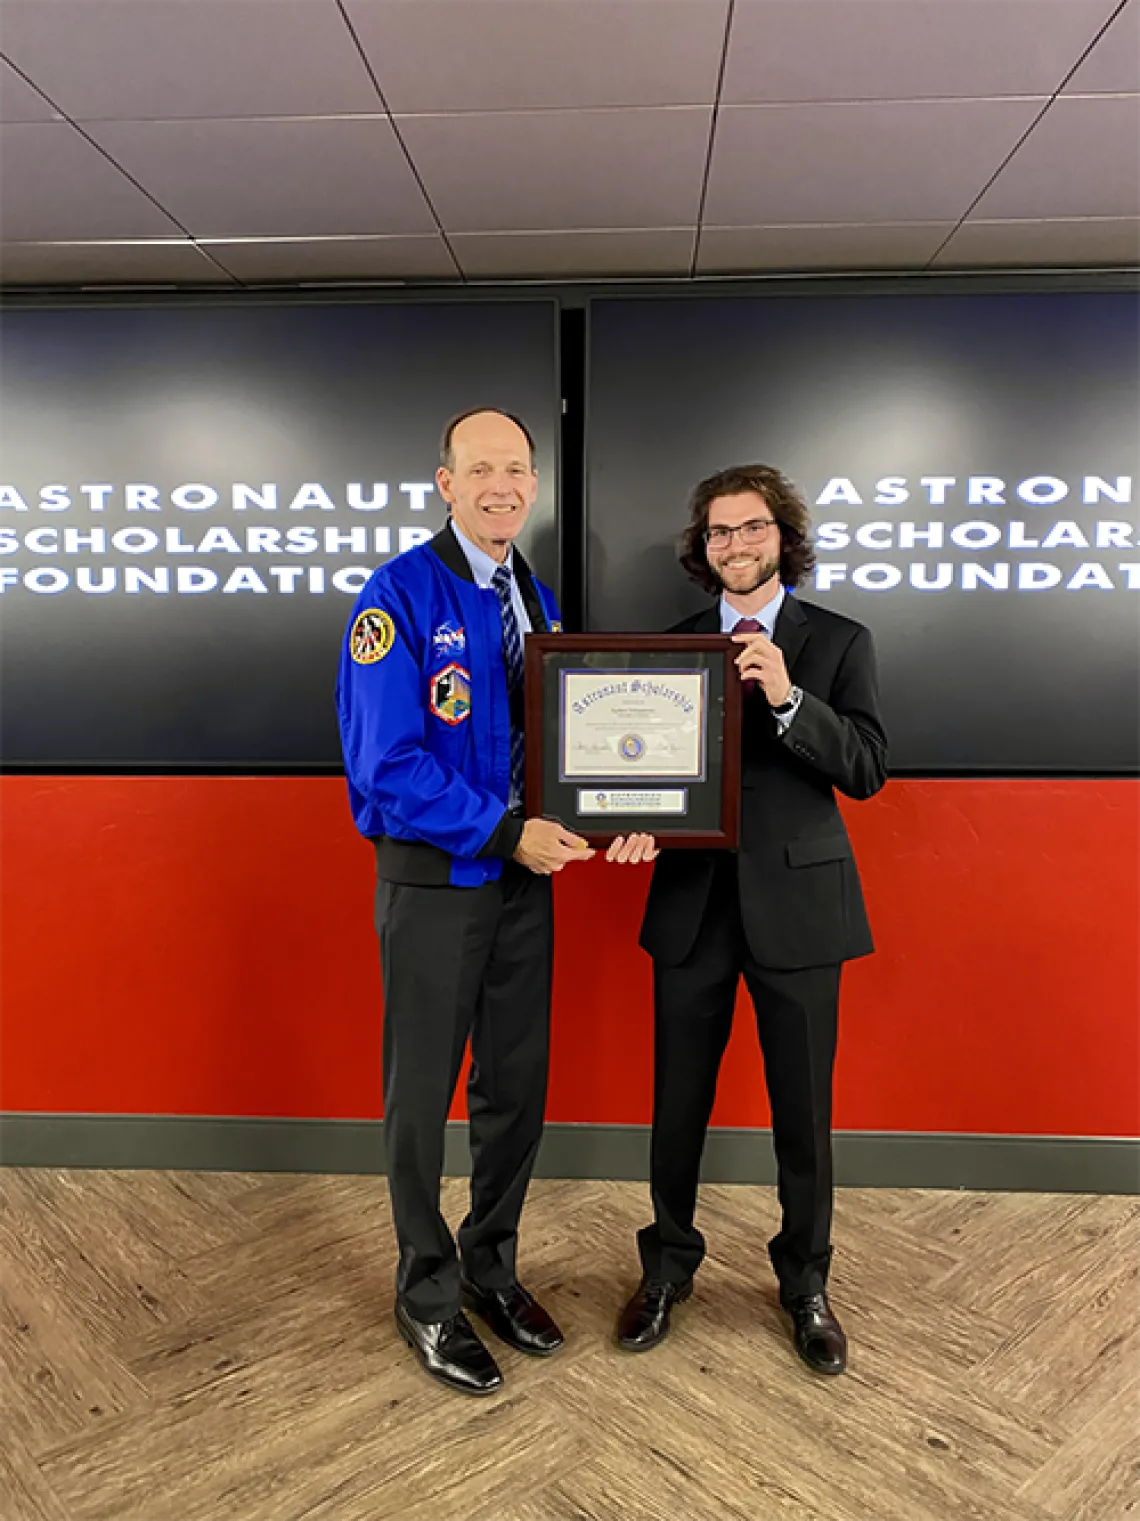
x=742, y=567
x=490, y=483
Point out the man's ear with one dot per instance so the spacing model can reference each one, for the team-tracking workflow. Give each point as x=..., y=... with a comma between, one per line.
x=443, y=482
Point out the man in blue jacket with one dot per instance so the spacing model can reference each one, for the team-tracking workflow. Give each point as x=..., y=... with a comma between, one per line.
x=430, y=699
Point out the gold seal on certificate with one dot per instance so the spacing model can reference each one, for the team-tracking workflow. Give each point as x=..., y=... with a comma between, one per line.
x=634, y=732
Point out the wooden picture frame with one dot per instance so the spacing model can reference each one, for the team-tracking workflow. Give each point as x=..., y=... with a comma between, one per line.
x=634, y=733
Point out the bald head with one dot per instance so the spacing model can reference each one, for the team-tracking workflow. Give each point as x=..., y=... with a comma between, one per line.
x=488, y=479
x=446, y=450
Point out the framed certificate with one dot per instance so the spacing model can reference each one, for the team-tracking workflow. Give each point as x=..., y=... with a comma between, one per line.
x=635, y=733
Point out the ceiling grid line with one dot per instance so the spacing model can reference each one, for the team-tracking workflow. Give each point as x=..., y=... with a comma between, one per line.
x=1012, y=154
x=347, y=141
x=400, y=139
x=77, y=127
x=712, y=139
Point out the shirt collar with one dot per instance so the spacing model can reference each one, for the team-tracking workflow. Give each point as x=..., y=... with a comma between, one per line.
x=481, y=563
x=766, y=617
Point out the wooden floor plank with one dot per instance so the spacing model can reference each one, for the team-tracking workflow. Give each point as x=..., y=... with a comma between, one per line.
x=176, y=1347
x=207, y=1445
x=112, y=1281
x=57, y=1379
x=25, y=1494
x=1096, y=1475
x=655, y=1486
x=1048, y=1251
x=906, y=1430
x=1079, y=1355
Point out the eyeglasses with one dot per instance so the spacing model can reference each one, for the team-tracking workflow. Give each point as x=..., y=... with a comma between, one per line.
x=755, y=531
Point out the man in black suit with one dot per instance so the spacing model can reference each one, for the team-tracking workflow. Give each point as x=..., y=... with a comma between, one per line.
x=785, y=910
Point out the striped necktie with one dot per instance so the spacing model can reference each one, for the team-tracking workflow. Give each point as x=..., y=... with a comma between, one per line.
x=513, y=657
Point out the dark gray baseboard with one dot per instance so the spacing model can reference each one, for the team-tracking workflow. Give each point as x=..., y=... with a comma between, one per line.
x=863, y=1159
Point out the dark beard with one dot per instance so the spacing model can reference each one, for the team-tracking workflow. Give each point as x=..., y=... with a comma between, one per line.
x=764, y=572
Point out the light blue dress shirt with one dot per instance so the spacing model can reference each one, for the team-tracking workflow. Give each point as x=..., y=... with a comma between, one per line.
x=483, y=568
x=766, y=618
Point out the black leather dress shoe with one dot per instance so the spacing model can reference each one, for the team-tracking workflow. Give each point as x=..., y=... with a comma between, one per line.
x=451, y=1352
x=645, y=1319
x=818, y=1335
x=516, y=1317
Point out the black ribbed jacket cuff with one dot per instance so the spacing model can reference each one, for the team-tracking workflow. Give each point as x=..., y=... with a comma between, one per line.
x=505, y=837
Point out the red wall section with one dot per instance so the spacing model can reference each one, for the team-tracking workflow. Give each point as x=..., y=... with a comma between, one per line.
x=205, y=947
x=178, y=946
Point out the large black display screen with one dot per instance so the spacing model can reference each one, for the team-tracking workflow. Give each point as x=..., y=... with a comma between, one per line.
x=190, y=500
x=970, y=463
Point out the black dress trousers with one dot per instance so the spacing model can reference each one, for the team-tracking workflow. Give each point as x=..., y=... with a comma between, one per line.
x=458, y=963
x=796, y=1015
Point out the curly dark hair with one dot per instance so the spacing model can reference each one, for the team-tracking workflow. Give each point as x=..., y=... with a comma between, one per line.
x=787, y=506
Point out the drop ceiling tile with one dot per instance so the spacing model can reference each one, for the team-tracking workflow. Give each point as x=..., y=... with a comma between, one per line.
x=306, y=259
x=742, y=250
x=452, y=55
x=793, y=50
x=54, y=184
x=891, y=161
x=1082, y=159
x=283, y=178
x=535, y=171
x=574, y=255
x=19, y=102
x=162, y=262
x=144, y=60
x=1113, y=66
x=1076, y=243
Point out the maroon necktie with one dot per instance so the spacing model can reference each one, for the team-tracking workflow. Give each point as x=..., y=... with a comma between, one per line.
x=749, y=626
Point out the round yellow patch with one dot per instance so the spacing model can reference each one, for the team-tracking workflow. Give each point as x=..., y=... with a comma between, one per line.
x=373, y=635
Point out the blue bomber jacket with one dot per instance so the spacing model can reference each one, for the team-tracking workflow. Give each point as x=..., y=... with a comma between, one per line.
x=425, y=718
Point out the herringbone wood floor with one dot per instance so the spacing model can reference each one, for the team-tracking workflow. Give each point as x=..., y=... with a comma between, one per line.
x=208, y=1345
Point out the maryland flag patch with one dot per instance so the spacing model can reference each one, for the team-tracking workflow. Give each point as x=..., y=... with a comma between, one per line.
x=451, y=694
x=373, y=635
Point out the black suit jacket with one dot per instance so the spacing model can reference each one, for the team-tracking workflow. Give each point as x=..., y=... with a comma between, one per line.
x=801, y=900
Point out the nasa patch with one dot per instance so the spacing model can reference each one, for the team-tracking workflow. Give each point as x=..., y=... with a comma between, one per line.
x=373, y=635
x=451, y=694
x=449, y=640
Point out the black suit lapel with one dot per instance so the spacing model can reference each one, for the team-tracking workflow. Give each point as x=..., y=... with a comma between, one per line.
x=791, y=632
x=707, y=622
